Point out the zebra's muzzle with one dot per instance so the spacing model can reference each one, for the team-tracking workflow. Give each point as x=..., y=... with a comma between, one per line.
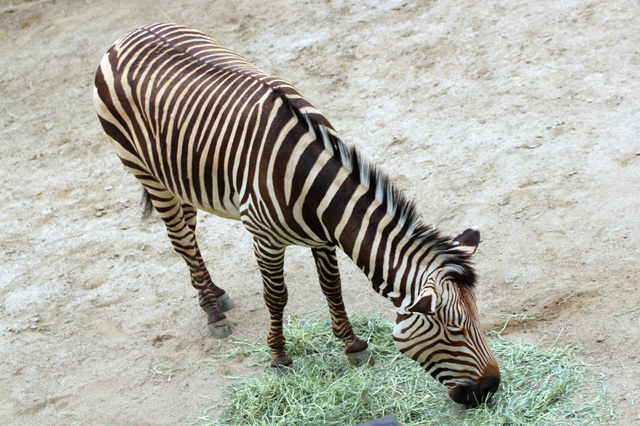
x=478, y=393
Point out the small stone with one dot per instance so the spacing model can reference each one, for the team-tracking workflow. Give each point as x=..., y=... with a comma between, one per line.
x=510, y=278
x=100, y=213
x=600, y=339
x=49, y=126
x=108, y=188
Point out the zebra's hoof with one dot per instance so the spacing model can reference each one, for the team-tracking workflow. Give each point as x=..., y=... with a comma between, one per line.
x=220, y=329
x=282, y=370
x=360, y=358
x=225, y=303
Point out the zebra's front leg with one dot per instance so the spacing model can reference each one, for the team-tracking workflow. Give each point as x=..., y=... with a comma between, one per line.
x=271, y=263
x=357, y=351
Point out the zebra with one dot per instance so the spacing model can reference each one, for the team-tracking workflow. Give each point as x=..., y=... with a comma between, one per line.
x=201, y=128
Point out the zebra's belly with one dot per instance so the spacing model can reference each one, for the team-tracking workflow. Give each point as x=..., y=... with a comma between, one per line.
x=227, y=210
x=225, y=213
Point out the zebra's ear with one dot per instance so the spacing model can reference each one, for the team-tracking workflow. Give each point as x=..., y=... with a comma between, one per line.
x=426, y=304
x=468, y=241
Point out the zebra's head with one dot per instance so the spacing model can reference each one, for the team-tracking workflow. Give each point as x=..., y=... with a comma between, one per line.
x=441, y=331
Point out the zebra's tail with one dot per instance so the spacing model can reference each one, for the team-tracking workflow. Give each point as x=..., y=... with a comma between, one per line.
x=147, y=207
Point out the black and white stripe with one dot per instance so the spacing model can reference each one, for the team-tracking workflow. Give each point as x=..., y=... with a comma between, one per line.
x=202, y=128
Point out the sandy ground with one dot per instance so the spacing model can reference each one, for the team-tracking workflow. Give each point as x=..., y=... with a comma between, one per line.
x=519, y=117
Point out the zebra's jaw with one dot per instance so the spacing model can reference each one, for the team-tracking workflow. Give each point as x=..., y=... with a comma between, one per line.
x=415, y=334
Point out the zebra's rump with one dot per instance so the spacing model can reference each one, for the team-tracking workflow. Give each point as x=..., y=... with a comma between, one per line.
x=196, y=116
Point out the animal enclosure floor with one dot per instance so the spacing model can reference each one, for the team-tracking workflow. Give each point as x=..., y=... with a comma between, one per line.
x=521, y=118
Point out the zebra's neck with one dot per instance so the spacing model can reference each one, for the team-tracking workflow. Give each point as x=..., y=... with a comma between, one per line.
x=361, y=211
x=394, y=254
x=375, y=225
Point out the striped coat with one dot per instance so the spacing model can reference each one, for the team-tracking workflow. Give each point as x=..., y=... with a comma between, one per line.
x=203, y=129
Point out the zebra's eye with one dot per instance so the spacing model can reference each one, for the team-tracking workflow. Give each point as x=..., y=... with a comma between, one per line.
x=455, y=328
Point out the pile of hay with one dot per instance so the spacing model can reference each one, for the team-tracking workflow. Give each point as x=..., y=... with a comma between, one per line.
x=539, y=385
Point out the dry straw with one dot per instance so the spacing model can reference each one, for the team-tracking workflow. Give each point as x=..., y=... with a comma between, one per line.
x=539, y=385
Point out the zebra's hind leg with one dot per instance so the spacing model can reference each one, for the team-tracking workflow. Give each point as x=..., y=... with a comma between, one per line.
x=271, y=262
x=222, y=298
x=358, y=352
x=184, y=242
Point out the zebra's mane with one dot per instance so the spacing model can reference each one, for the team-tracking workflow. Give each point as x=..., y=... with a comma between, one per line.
x=397, y=204
x=378, y=184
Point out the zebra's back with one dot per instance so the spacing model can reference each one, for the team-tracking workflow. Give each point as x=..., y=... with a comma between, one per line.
x=205, y=123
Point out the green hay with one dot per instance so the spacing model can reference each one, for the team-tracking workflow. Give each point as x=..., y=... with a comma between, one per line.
x=539, y=385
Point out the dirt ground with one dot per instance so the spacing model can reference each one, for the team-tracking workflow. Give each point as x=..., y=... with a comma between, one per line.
x=520, y=117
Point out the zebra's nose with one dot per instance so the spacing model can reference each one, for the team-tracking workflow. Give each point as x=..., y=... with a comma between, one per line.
x=476, y=394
